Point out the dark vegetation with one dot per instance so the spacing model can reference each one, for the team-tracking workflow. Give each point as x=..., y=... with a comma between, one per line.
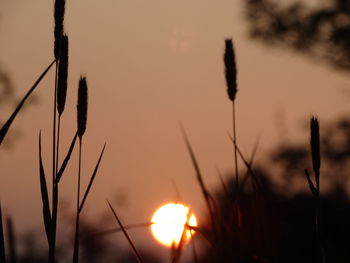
x=277, y=222
x=320, y=30
x=251, y=217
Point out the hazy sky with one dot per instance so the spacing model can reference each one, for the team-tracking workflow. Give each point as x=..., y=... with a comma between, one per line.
x=149, y=65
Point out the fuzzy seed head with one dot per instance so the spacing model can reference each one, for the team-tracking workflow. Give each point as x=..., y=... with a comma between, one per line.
x=230, y=69
x=315, y=145
x=62, y=75
x=59, y=10
x=82, y=106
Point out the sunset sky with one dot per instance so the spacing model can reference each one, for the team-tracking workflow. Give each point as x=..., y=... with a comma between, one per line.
x=149, y=65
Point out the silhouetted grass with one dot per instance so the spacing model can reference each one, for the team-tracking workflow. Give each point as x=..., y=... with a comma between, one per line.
x=7, y=125
x=242, y=222
x=136, y=253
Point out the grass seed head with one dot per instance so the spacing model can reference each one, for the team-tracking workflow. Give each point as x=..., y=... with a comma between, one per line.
x=230, y=69
x=59, y=10
x=315, y=145
x=62, y=75
x=82, y=106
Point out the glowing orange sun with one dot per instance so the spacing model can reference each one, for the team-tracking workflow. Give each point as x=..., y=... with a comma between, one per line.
x=169, y=223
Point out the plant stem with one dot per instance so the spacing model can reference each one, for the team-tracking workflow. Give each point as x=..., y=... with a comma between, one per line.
x=76, y=238
x=234, y=138
x=54, y=188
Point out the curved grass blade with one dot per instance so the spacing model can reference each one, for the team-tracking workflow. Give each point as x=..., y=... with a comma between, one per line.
x=8, y=123
x=246, y=163
x=66, y=159
x=118, y=229
x=2, y=240
x=92, y=179
x=137, y=255
x=44, y=197
x=207, y=197
x=313, y=189
x=178, y=249
x=223, y=184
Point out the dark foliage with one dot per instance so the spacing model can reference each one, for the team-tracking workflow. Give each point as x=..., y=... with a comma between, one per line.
x=321, y=31
x=275, y=226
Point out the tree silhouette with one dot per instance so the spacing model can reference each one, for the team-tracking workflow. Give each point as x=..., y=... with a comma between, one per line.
x=321, y=30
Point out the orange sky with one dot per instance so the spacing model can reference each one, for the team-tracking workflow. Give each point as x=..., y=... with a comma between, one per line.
x=150, y=64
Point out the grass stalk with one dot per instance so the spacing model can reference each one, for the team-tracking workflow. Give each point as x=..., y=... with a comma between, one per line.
x=235, y=139
x=2, y=240
x=54, y=185
x=76, y=236
x=316, y=164
x=81, y=126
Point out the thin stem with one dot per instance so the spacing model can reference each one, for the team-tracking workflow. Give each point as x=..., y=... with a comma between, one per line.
x=55, y=183
x=54, y=203
x=76, y=240
x=234, y=138
x=236, y=162
x=318, y=221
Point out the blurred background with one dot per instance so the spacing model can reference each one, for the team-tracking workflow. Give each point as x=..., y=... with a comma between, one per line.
x=151, y=64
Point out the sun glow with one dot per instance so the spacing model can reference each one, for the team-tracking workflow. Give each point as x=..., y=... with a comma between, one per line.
x=169, y=223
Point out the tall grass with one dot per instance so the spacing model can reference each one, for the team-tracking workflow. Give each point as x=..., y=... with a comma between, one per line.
x=61, y=56
x=231, y=82
x=217, y=238
x=315, y=187
x=59, y=94
x=81, y=123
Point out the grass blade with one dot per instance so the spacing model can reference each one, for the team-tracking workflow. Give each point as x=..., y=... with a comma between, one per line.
x=246, y=163
x=206, y=195
x=8, y=123
x=126, y=234
x=313, y=189
x=66, y=159
x=177, y=250
x=44, y=197
x=118, y=229
x=223, y=184
x=92, y=179
x=2, y=240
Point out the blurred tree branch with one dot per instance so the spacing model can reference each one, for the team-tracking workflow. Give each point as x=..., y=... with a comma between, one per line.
x=321, y=30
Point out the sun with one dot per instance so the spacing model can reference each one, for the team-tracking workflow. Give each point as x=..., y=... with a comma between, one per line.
x=168, y=224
